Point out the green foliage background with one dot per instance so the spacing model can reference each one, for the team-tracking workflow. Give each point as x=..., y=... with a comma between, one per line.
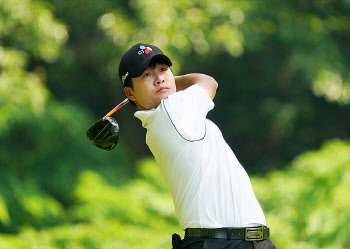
x=282, y=105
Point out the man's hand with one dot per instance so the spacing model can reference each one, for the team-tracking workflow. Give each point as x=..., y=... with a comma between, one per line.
x=207, y=82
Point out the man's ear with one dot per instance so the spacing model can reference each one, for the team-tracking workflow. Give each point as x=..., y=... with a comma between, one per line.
x=129, y=92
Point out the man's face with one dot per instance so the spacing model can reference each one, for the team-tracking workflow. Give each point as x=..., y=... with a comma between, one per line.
x=151, y=87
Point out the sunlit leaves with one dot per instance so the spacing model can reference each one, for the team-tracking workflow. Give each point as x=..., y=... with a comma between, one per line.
x=20, y=91
x=311, y=200
x=202, y=27
x=274, y=52
x=332, y=86
x=30, y=26
x=29, y=31
x=4, y=214
x=209, y=28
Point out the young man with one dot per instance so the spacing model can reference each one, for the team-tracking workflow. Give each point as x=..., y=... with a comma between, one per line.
x=212, y=193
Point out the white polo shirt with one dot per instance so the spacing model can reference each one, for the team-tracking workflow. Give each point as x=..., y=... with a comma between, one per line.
x=210, y=188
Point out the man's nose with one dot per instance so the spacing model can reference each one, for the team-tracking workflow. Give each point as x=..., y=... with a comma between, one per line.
x=159, y=79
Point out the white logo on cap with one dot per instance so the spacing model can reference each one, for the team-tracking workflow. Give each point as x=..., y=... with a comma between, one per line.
x=124, y=77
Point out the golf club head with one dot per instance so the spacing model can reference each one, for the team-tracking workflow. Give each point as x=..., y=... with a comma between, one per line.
x=104, y=134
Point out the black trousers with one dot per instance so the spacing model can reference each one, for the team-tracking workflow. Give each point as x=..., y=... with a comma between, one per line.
x=220, y=244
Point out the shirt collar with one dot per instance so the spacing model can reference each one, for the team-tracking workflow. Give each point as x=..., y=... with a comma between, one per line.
x=146, y=116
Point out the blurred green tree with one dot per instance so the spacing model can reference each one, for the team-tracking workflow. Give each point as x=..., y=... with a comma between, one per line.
x=308, y=204
x=139, y=214
x=42, y=142
x=284, y=88
x=282, y=67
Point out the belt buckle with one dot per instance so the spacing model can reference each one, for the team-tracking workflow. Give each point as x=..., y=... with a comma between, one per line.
x=254, y=234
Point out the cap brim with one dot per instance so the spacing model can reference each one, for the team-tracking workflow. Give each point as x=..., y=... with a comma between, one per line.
x=144, y=65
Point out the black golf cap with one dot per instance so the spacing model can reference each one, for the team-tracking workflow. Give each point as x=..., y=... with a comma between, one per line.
x=135, y=61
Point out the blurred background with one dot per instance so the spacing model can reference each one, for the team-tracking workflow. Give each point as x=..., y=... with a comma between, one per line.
x=283, y=105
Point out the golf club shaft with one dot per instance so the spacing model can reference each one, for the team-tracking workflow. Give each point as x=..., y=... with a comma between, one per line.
x=117, y=108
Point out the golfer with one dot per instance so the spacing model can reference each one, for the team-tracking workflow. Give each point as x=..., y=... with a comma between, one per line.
x=212, y=193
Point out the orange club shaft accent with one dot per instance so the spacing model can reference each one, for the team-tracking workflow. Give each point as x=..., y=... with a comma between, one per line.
x=125, y=101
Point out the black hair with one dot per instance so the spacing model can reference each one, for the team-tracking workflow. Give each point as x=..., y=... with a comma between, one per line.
x=152, y=64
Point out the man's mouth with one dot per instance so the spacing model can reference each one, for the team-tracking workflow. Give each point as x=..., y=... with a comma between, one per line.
x=162, y=89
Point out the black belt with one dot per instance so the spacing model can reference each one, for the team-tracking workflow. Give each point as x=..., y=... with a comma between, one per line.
x=247, y=233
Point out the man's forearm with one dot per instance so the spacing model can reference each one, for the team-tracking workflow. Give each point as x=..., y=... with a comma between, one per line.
x=207, y=82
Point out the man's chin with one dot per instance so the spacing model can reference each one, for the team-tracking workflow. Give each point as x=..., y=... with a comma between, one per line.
x=165, y=94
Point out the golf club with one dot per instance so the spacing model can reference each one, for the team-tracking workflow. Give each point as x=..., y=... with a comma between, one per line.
x=104, y=133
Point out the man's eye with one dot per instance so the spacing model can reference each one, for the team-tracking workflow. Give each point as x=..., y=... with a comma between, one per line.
x=163, y=69
x=146, y=74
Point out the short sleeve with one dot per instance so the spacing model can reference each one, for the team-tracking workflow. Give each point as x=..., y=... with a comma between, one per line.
x=187, y=111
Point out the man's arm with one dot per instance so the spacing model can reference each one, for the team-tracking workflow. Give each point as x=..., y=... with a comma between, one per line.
x=207, y=82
